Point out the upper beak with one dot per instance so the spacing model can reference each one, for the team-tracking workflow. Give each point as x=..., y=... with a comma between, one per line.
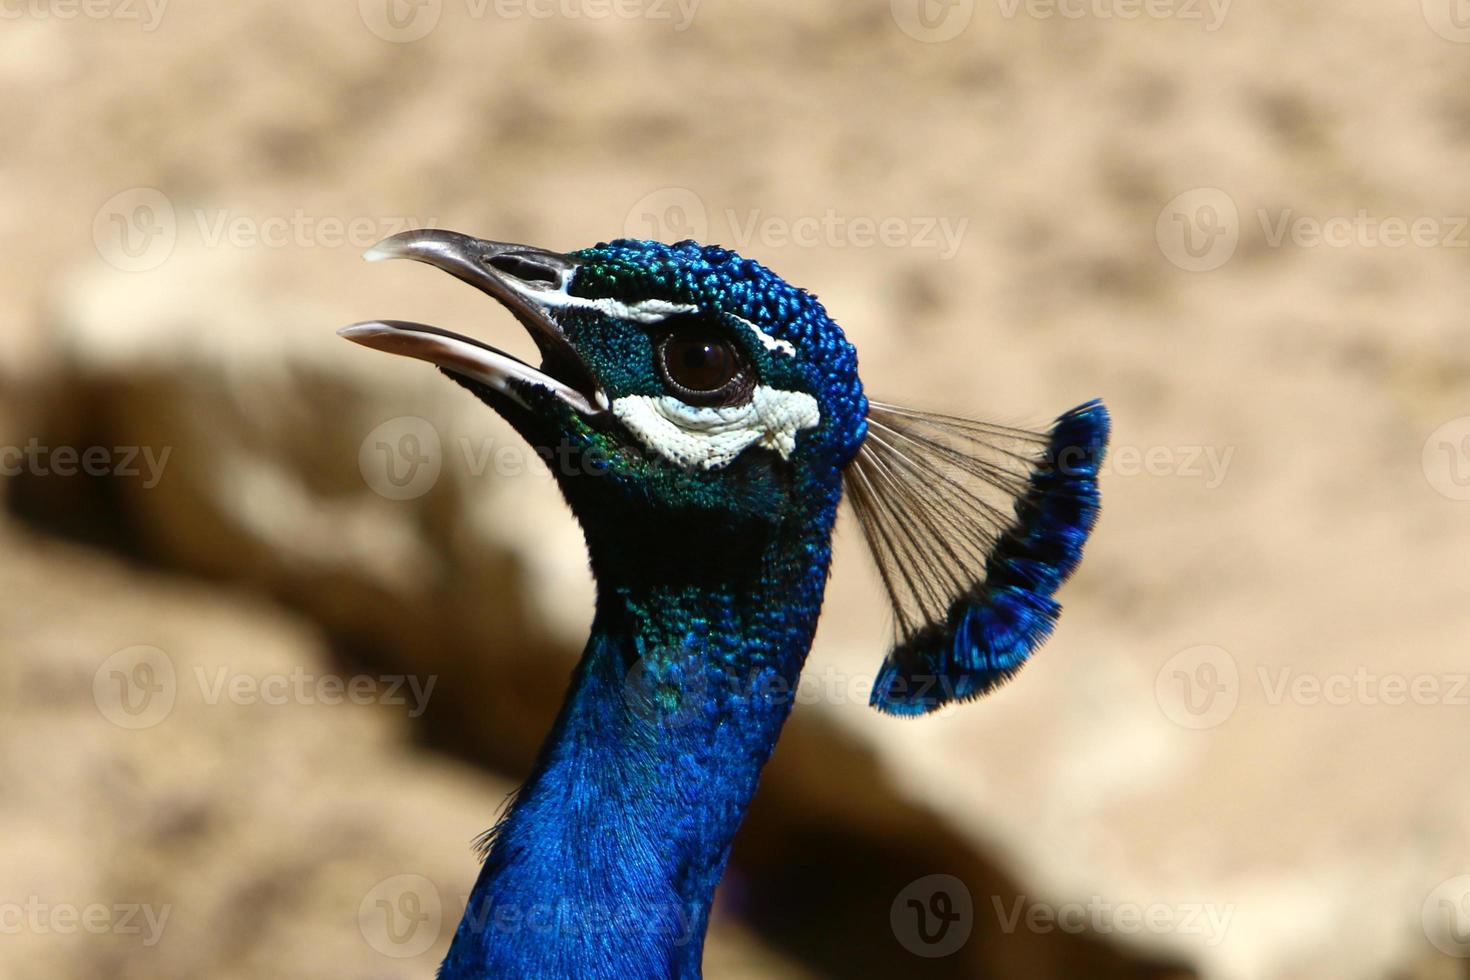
x=529, y=281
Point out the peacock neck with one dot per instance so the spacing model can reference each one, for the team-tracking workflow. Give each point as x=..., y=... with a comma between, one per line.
x=606, y=863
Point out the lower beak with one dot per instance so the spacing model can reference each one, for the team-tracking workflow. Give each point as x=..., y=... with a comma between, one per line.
x=527, y=281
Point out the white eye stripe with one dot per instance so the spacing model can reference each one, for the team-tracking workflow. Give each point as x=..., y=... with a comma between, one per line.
x=767, y=341
x=643, y=311
x=706, y=438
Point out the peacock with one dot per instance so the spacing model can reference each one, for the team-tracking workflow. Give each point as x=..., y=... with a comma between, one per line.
x=704, y=418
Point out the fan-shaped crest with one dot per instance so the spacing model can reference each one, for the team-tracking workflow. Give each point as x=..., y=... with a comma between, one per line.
x=974, y=526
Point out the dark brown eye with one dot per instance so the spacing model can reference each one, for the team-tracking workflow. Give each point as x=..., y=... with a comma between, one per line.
x=703, y=367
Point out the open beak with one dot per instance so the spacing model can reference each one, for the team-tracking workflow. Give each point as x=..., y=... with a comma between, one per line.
x=528, y=281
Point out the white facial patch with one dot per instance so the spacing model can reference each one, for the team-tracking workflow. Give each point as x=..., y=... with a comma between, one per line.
x=767, y=341
x=705, y=438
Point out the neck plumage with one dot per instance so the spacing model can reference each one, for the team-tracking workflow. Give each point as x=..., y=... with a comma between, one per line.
x=606, y=863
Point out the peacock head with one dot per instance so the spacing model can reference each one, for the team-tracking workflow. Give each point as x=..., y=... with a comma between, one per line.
x=688, y=390
x=691, y=382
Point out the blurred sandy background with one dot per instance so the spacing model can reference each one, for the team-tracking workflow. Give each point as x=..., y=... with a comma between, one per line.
x=268, y=669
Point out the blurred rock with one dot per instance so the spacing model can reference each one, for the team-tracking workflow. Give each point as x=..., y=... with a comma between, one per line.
x=193, y=788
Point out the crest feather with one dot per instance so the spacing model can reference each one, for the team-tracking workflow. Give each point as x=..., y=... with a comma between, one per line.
x=973, y=526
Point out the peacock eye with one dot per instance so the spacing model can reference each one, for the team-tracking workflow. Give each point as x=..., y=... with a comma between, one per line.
x=701, y=368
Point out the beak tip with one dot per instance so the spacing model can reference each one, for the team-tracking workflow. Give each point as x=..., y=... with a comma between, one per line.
x=415, y=244
x=359, y=332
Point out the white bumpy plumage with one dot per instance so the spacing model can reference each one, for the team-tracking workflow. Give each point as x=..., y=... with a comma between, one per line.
x=697, y=437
